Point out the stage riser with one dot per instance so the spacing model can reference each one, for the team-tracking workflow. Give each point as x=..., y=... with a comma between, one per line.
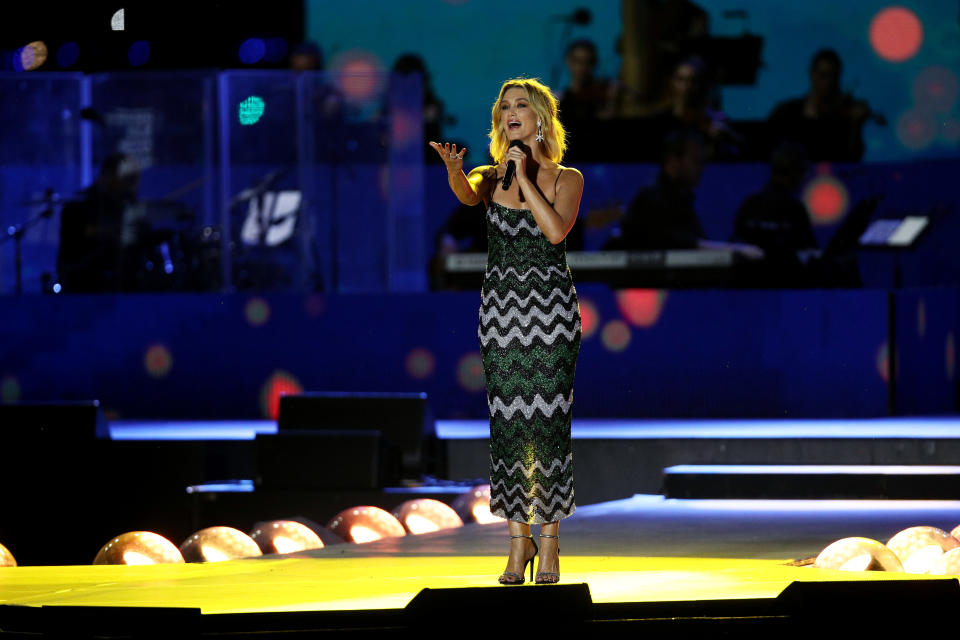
x=612, y=469
x=805, y=486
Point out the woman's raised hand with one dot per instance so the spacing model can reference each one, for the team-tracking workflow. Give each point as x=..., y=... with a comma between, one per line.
x=449, y=155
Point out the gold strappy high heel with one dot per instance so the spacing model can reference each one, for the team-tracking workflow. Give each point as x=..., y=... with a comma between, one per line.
x=548, y=577
x=517, y=578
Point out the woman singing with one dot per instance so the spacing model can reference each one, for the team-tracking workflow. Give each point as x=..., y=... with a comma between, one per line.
x=529, y=318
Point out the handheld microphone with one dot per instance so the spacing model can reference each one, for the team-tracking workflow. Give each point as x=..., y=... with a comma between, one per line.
x=511, y=168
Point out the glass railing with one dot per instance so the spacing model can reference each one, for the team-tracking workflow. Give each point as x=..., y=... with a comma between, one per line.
x=211, y=181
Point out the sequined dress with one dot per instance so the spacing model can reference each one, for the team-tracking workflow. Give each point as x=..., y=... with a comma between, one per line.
x=529, y=340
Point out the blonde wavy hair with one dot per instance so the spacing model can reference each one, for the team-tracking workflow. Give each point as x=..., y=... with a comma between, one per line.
x=545, y=105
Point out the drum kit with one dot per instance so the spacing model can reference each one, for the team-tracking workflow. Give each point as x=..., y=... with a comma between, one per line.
x=147, y=245
x=160, y=246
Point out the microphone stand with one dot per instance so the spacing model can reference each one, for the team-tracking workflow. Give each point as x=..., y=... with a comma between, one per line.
x=17, y=231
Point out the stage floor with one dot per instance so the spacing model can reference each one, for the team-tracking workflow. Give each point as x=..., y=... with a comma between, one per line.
x=643, y=549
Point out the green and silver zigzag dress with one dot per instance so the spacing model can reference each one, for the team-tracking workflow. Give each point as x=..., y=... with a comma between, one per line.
x=529, y=340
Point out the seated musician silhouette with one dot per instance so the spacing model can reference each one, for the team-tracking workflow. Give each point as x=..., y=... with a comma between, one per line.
x=90, y=257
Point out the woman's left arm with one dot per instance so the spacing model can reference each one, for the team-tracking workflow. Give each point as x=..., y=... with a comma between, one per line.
x=555, y=222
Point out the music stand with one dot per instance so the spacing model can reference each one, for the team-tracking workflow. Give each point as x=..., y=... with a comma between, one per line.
x=895, y=235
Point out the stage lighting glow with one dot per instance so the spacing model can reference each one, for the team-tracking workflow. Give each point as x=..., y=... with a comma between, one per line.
x=858, y=554
x=257, y=312
x=358, y=74
x=883, y=362
x=365, y=524
x=947, y=564
x=277, y=385
x=216, y=544
x=139, y=53
x=31, y=56
x=117, y=20
x=615, y=336
x=67, y=54
x=420, y=363
x=641, y=307
x=826, y=199
x=935, y=88
x=474, y=506
x=424, y=515
x=252, y=51
x=470, y=372
x=285, y=536
x=361, y=534
x=6, y=558
x=917, y=129
x=139, y=548
x=9, y=390
x=919, y=547
x=157, y=361
x=589, y=318
x=896, y=34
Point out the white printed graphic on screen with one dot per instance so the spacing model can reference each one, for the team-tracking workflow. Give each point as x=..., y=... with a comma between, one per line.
x=271, y=219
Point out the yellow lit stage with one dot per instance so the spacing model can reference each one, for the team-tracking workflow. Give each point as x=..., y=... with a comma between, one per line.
x=644, y=560
x=330, y=583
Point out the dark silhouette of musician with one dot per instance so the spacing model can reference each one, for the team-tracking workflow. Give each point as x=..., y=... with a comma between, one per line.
x=777, y=221
x=90, y=258
x=662, y=215
x=826, y=120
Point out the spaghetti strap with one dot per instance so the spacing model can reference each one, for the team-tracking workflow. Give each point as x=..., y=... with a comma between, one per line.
x=555, y=183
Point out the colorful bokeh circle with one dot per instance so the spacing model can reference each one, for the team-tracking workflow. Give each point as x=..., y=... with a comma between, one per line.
x=257, y=312
x=935, y=88
x=359, y=74
x=31, y=56
x=917, y=129
x=883, y=362
x=9, y=390
x=420, y=363
x=616, y=335
x=67, y=54
x=157, y=360
x=826, y=198
x=139, y=53
x=589, y=318
x=896, y=34
x=470, y=372
x=279, y=384
x=641, y=307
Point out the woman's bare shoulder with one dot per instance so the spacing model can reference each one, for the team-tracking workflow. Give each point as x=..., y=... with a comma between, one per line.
x=569, y=175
